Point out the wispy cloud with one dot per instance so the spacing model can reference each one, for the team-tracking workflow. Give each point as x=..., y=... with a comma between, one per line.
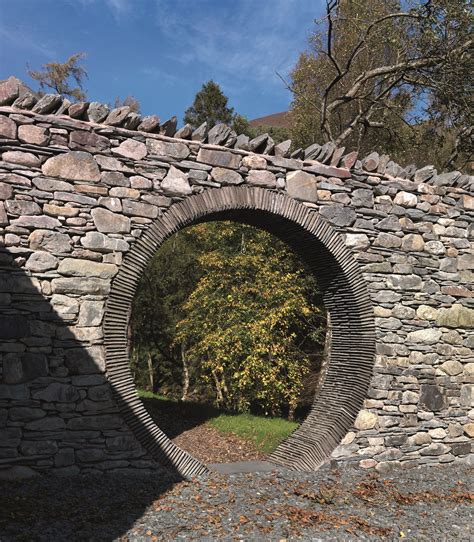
x=119, y=8
x=252, y=42
x=25, y=38
x=158, y=74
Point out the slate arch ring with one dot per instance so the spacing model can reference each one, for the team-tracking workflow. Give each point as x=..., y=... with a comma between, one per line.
x=345, y=296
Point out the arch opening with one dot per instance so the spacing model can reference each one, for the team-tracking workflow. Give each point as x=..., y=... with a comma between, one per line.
x=227, y=340
x=345, y=297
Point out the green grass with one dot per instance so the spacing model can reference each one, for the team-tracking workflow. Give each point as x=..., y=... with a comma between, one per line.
x=151, y=395
x=263, y=432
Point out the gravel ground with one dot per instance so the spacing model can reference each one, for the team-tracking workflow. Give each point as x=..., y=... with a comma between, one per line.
x=338, y=503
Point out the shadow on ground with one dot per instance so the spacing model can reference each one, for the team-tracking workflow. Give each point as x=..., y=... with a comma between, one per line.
x=77, y=508
x=174, y=418
x=57, y=504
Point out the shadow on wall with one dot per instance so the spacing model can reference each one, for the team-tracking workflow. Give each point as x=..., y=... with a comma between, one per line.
x=58, y=414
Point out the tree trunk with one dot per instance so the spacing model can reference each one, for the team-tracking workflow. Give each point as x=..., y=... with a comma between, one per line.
x=326, y=354
x=291, y=412
x=151, y=373
x=184, y=361
x=219, y=396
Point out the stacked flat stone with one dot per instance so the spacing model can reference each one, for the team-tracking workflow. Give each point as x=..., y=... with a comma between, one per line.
x=14, y=92
x=79, y=192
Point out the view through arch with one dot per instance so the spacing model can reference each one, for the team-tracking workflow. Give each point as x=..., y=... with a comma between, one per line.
x=227, y=331
x=344, y=293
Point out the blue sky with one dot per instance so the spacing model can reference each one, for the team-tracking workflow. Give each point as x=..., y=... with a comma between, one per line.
x=162, y=51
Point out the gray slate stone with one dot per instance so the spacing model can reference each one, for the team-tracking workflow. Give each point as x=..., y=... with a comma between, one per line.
x=219, y=158
x=168, y=128
x=176, y=183
x=88, y=141
x=312, y=152
x=108, y=222
x=57, y=392
x=200, y=134
x=102, y=243
x=27, y=101
x=242, y=142
x=8, y=129
x=258, y=144
x=77, y=110
x=218, y=134
x=75, y=166
x=339, y=215
x=47, y=104
x=261, y=177
x=283, y=149
x=132, y=121
x=56, y=243
x=39, y=262
x=371, y=162
x=301, y=185
x=22, y=207
x=150, y=123
x=97, y=112
x=185, y=132
x=9, y=90
x=117, y=116
x=226, y=176
x=176, y=150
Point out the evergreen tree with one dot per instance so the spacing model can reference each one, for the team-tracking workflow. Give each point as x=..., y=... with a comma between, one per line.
x=210, y=105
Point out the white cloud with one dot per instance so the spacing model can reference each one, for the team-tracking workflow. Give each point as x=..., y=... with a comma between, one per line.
x=24, y=38
x=250, y=41
x=119, y=8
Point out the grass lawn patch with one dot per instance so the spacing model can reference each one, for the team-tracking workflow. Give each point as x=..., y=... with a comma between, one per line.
x=264, y=433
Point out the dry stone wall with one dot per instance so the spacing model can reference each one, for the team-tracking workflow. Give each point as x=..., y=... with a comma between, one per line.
x=80, y=185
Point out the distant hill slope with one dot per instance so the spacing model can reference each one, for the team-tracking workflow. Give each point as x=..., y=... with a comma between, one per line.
x=277, y=119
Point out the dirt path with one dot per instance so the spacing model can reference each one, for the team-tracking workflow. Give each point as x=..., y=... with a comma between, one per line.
x=211, y=446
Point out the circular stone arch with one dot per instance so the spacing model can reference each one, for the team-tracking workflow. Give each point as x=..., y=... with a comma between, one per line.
x=345, y=296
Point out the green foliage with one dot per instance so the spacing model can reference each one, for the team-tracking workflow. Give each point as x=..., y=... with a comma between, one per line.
x=246, y=318
x=210, y=105
x=157, y=307
x=372, y=78
x=314, y=73
x=241, y=125
x=234, y=305
x=57, y=76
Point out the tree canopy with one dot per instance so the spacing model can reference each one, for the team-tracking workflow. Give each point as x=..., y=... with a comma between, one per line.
x=229, y=311
x=210, y=105
x=59, y=76
x=389, y=75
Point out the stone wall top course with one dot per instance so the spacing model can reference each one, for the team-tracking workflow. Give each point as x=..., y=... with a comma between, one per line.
x=122, y=122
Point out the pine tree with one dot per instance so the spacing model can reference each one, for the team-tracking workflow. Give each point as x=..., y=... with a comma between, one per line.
x=210, y=105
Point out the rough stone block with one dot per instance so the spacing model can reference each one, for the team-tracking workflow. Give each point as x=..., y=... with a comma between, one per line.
x=302, y=186
x=219, y=158
x=75, y=166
